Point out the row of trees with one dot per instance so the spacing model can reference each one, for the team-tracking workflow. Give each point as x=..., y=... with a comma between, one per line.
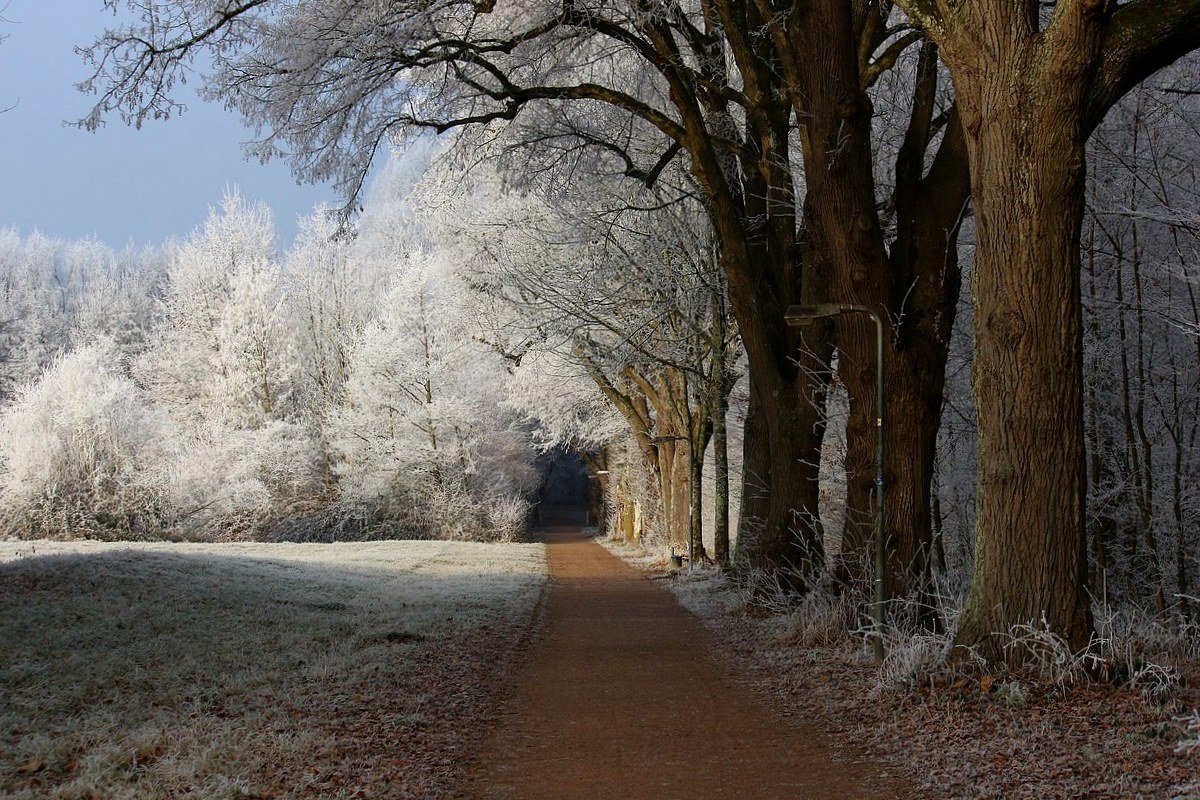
x=836, y=151
x=623, y=290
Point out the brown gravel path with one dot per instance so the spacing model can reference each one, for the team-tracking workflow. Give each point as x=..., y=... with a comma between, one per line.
x=622, y=699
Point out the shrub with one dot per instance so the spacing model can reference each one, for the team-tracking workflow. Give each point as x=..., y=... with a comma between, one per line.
x=75, y=445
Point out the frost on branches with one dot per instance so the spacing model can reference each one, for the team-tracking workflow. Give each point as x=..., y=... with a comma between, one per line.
x=220, y=389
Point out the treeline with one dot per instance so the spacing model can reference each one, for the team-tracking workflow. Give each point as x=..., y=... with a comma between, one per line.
x=219, y=389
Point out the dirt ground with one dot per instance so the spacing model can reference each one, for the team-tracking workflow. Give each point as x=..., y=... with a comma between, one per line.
x=622, y=696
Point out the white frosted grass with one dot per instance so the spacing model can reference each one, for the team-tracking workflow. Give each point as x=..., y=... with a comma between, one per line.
x=147, y=670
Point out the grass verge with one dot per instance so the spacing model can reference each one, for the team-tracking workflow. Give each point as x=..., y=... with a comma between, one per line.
x=252, y=670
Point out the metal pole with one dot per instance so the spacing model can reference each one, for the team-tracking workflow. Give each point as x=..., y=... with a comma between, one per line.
x=880, y=545
x=803, y=315
x=691, y=505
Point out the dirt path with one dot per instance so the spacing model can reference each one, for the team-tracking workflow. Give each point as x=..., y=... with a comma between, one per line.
x=621, y=699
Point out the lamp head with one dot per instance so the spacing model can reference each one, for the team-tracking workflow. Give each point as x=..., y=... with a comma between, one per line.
x=804, y=314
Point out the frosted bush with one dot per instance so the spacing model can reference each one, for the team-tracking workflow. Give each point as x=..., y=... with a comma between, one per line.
x=910, y=658
x=1129, y=636
x=284, y=455
x=821, y=619
x=75, y=446
x=506, y=518
x=224, y=482
x=1191, y=743
x=1034, y=651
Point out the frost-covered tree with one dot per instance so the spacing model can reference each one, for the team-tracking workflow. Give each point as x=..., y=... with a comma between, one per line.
x=225, y=365
x=632, y=297
x=224, y=348
x=421, y=438
x=79, y=448
x=334, y=298
x=56, y=294
x=259, y=375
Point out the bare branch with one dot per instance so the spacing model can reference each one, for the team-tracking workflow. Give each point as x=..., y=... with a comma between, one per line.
x=1143, y=37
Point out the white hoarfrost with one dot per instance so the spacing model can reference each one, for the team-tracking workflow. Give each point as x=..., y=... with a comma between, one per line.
x=339, y=390
x=75, y=450
x=202, y=671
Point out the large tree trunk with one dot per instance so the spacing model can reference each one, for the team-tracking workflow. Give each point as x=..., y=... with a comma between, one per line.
x=924, y=282
x=756, y=473
x=720, y=445
x=916, y=410
x=751, y=199
x=781, y=532
x=673, y=469
x=913, y=288
x=1025, y=142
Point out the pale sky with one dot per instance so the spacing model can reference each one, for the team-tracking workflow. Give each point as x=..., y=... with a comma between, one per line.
x=118, y=184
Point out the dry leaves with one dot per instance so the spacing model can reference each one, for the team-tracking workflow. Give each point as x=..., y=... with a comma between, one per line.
x=34, y=764
x=969, y=737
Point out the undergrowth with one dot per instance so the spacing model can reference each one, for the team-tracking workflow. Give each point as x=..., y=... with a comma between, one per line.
x=1130, y=647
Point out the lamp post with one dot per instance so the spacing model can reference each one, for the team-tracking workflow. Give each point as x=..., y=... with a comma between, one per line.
x=595, y=476
x=802, y=315
x=691, y=493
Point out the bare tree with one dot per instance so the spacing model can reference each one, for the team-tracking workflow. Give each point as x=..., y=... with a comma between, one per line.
x=1032, y=81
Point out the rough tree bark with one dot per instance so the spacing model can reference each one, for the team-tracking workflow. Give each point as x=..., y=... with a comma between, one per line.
x=1029, y=95
x=913, y=285
x=1026, y=149
x=756, y=470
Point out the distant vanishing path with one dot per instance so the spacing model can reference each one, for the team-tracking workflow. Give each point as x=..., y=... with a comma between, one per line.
x=622, y=699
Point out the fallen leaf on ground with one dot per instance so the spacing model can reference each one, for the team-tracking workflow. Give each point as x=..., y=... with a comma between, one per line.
x=33, y=765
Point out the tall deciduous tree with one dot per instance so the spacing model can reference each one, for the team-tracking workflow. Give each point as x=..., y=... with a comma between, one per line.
x=1031, y=84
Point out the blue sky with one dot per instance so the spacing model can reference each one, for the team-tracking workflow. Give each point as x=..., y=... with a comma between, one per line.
x=118, y=184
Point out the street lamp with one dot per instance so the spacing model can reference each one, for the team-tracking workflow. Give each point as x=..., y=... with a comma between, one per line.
x=594, y=476
x=691, y=493
x=803, y=315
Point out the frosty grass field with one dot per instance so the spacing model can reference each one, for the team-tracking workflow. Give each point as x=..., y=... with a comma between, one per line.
x=249, y=670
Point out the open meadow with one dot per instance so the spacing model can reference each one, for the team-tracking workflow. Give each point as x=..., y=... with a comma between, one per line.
x=251, y=670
